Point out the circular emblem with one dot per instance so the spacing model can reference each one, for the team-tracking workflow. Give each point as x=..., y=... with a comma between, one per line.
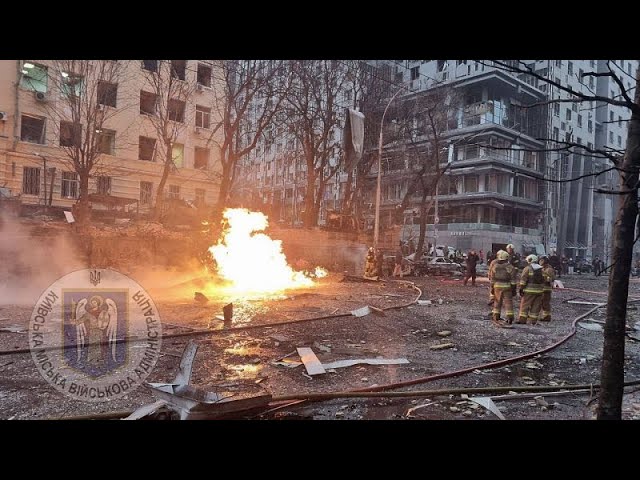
x=95, y=335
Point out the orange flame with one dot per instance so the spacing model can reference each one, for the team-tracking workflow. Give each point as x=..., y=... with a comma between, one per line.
x=253, y=262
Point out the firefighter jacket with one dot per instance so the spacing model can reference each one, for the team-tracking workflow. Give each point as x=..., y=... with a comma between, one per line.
x=532, y=280
x=549, y=275
x=502, y=275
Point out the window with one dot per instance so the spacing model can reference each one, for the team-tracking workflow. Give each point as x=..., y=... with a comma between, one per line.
x=146, y=148
x=71, y=84
x=568, y=114
x=415, y=73
x=611, y=138
x=201, y=159
x=558, y=63
x=32, y=129
x=591, y=83
x=556, y=109
x=471, y=183
x=145, y=192
x=619, y=141
x=69, y=185
x=629, y=68
x=176, y=110
x=70, y=134
x=107, y=93
x=580, y=120
x=174, y=191
x=613, y=94
x=177, y=154
x=592, y=63
x=556, y=134
x=580, y=74
x=151, y=65
x=31, y=181
x=610, y=116
x=619, y=121
x=574, y=107
x=178, y=69
x=107, y=141
x=199, y=200
x=204, y=74
x=203, y=115
x=34, y=77
x=148, y=103
x=590, y=126
x=104, y=185
x=570, y=68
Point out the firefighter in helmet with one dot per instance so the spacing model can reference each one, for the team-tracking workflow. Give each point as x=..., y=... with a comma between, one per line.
x=502, y=276
x=549, y=275
x=531, y=288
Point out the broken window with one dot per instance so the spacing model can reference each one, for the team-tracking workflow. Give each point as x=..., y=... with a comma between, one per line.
x=148, y=103
x=107, y=93
x=31, y=181
x=201, y=160
x=70, y=134
x=70, y=184
x=415, y=73
x=174, y=191
x=204, y=74
x=178, y=69
x=71, y=84
x=146, y=189
x=203, y=115
x=150, y=65
x=34, y=77
x=146, y=148
x=176, y=110
x=103, y=185
x=32, y=129
x=107, y=141
x=177, y=154
x=199, y=200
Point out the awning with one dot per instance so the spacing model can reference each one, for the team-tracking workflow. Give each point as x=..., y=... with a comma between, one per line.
x=575, y=246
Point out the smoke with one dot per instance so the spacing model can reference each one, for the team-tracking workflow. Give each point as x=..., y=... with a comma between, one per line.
x=32, y=257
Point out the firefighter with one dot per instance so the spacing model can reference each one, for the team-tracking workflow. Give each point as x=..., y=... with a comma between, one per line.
x=514, y=258
x=370, y=264
x=503, y=278
x=549, y=275
x=531, y=288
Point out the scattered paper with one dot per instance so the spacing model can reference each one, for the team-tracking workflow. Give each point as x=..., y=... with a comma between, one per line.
x=487, y=403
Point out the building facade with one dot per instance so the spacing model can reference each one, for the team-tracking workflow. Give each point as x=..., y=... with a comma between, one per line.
x=129, y=168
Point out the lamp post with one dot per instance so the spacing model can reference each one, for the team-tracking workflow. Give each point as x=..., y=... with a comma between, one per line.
x=376, y=229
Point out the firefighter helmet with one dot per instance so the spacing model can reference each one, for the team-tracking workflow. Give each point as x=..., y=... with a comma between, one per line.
x=532, y=258
x=502, y=255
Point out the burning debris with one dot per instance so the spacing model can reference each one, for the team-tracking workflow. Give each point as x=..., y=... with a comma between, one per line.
x=253, y=262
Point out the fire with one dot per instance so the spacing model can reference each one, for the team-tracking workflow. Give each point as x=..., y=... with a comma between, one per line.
x=253, y=262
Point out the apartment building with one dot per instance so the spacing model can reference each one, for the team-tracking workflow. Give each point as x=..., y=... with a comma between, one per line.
x=129, y=168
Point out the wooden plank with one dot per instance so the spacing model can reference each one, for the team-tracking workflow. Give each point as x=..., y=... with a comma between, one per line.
x=311, y=362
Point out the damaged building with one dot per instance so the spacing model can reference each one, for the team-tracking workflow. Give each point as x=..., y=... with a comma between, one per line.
x=35, y=131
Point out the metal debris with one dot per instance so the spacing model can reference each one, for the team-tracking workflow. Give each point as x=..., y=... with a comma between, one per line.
x=487, y=403
x=367, y=361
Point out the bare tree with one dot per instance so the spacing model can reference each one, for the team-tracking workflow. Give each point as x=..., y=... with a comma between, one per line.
x=624, y=233
x=421, y=125
x=314, y=112
x=166, y=92
x=86, y=92
x=251, y=93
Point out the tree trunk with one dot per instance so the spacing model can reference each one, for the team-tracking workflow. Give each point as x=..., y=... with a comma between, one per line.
x=347, y=201
x=424, y=210
x=83, y=202
x=612, y=372
x=309, y=199
x=223, y=194
x=157, y=212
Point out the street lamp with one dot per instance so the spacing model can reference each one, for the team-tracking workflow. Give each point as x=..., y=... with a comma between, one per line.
x=376, y=230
